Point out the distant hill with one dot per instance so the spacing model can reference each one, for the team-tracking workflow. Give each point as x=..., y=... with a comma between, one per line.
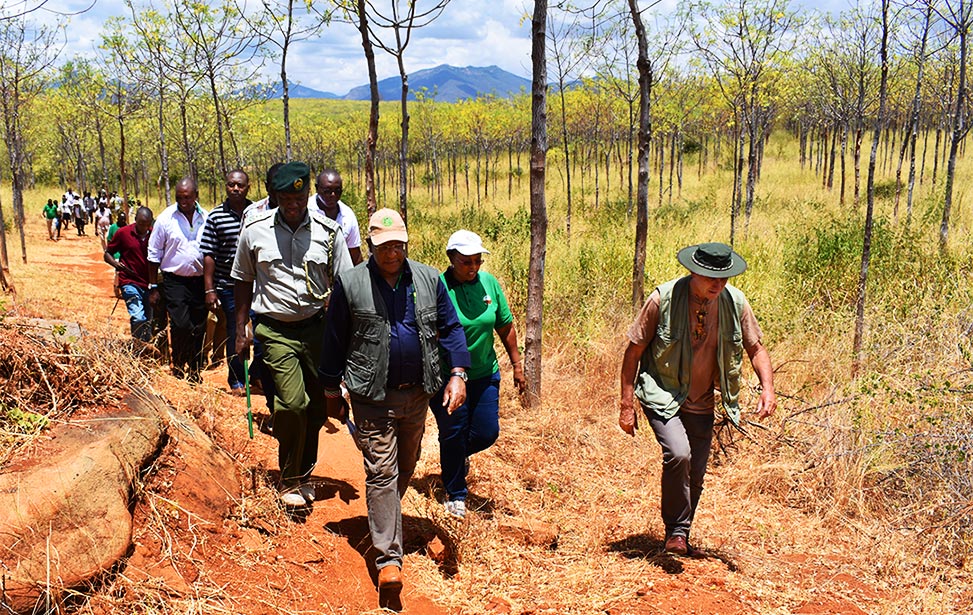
x=449, y=83
x=296, y=90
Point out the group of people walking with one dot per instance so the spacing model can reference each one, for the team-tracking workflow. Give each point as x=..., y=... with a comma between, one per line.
x=395, y=338
x=72, y=208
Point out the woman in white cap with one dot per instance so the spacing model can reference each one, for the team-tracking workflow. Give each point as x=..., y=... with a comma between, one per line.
x=482, y=309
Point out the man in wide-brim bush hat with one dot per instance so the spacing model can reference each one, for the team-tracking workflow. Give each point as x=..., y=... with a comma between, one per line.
x=687, y=341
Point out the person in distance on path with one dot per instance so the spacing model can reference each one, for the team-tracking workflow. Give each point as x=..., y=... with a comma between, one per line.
x=688, y=339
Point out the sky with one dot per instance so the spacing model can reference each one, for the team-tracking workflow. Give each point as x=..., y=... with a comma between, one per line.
x=468, y=33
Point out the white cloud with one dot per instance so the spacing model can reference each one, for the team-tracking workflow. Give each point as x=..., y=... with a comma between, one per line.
x=468, y=33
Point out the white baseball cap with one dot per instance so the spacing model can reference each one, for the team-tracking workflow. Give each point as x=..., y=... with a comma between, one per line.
x=466, y=243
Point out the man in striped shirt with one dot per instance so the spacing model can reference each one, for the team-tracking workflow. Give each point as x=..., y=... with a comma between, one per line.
x=218, y=245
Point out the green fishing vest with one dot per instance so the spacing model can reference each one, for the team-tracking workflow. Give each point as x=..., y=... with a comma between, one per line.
x=663, y=380
x=367, y=365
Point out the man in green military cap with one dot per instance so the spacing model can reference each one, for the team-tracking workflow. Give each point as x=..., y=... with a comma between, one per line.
x=688, y=340
x=286, y=261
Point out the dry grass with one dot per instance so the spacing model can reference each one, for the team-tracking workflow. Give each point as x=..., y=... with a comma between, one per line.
x=864, y=477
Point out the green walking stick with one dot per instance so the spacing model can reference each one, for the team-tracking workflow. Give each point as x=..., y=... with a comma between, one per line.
x=246, y=383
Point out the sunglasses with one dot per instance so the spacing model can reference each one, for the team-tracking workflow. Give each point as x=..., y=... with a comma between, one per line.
x=334, y=191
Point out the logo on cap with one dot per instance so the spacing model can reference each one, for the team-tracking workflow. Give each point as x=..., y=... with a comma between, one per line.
x=298, y=183
x=387, y=221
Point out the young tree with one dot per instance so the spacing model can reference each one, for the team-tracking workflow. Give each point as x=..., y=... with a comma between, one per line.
x=538, y=204
x=870, y=191
x=224, y=52
x=569, y=52
x=26, y=52
x=281, y=24
x=647, y=71
x=957, y=15
x=919, y=55
x=744, y=44
x=402, y=20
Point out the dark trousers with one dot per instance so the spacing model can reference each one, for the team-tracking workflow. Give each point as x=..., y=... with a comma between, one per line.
x=186, y=306
x=685, y=440
x=471, y=428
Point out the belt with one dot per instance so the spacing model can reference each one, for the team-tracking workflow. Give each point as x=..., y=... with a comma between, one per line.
x=283, y=324
x=408, y=385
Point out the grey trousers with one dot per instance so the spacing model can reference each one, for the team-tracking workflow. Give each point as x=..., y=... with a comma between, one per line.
x=390, y=435
x=685, y=440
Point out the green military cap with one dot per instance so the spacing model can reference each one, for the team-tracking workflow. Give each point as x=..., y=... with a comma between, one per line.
x=292, y=177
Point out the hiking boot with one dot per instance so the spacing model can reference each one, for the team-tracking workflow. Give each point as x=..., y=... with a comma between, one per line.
x=390, y=578
x=677, y=545
x=292, y=499
x=456, y=509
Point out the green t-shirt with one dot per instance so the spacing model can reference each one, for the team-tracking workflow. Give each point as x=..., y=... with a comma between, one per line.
x=482, y=308
x=50, y=211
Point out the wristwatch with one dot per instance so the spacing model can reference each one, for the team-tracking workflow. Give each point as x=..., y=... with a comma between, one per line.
x=461, y=375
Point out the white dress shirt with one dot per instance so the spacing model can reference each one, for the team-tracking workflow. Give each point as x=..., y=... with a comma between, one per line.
x=174, y=242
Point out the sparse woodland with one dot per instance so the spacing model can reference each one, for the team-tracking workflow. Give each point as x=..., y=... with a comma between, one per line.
x=848, y=192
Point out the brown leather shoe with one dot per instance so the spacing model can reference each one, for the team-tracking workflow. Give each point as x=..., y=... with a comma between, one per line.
x=677, y=545
x=390, y=577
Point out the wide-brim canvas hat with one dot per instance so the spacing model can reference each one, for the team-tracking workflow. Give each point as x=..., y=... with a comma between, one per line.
x=713, y=260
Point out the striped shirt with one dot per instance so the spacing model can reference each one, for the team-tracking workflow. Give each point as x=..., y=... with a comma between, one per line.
x=220, y=237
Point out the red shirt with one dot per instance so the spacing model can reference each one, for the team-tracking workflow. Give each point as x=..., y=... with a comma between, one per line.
x=134, y=255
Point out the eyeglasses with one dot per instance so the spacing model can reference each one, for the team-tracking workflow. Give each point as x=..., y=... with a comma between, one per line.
x=386, y=248
x=334, y=191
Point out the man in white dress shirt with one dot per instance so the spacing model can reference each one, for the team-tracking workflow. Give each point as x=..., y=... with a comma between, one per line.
x=174, y=249
x=328, y=199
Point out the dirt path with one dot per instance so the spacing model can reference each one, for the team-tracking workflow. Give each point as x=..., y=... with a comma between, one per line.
x=253, y=559
x=317, y=561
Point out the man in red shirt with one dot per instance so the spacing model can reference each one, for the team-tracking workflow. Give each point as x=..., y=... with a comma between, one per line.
x=131, y=243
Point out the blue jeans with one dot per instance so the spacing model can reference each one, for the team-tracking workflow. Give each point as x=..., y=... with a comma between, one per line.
x=139, y=311
x=471, y=428
x=234, y=365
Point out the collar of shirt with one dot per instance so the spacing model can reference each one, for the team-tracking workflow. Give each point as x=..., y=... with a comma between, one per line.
x=229, y=209
x=452, y=281
x=279, y=219
x=405, y=276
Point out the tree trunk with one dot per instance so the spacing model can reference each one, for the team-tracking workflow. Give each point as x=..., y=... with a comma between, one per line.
x=371, y=140
x=959, y=121
x=870, y=188
x=538, y=205
x=404, y=143
x=645, y=142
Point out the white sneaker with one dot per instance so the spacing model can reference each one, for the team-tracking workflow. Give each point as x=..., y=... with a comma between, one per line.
x=307, y=491
x=456, y=508
x=293, y=499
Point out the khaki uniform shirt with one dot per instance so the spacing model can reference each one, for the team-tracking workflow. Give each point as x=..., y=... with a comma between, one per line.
x=291, y=270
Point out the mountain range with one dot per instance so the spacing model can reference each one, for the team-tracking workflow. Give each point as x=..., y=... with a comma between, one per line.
x=444, y=83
